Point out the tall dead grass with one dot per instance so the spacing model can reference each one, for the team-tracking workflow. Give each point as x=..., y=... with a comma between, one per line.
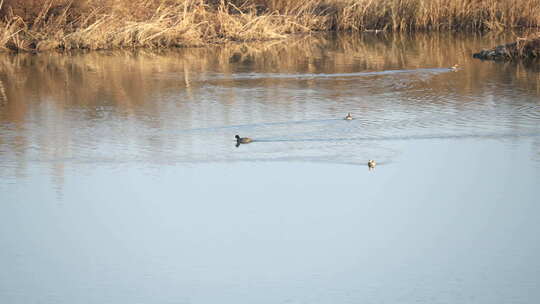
x=37, y=25
x=528, y=47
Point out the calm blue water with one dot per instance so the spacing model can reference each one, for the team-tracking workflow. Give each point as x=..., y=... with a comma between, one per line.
x=120, y=181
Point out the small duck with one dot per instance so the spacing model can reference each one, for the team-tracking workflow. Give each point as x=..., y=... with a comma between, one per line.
x=348, y=117
x=371, y=164
x=455, y=67
x=243, y=140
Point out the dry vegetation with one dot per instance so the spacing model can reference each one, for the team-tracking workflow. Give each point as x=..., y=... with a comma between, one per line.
x=529, y=47
x=36, y=25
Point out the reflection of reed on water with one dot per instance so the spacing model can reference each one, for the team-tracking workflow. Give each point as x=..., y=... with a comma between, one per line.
x=3, y=96
x=127, y=79
x=155, y=104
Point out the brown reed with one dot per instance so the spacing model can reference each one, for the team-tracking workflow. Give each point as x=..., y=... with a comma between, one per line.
x=37, y=25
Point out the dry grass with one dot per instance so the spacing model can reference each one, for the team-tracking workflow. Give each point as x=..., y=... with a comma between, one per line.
x=37, y=25
x=528, y=47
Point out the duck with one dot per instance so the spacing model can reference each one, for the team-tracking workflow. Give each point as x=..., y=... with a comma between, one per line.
x=243, y=140
x=455, y=67
x=371, y=164
x=348, y=117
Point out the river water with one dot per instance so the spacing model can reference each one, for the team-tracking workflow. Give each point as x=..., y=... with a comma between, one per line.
x=121, y=181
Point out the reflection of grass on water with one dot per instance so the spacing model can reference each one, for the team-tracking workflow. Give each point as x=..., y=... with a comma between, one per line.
x=126, y=79
x=3, y=96
x=106, y=24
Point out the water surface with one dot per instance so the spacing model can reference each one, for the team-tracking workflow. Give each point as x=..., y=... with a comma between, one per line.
x=120, y=180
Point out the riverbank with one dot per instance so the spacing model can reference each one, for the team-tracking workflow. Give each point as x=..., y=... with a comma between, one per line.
x=527, y=48
x=114, y=24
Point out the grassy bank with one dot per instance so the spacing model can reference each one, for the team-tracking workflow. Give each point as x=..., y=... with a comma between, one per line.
x=37, y=25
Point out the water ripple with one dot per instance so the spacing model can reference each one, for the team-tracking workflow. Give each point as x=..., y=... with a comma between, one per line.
x=257, y=76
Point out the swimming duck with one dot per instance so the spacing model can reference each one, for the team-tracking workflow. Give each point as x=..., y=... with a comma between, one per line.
x=348, y=117
x=243, y=140
x=455, y=67
x=371, y=164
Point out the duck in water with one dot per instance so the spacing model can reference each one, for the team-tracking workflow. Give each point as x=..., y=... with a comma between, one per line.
x=371, y=164
x=348, y=117
x=455, y=67
x=242, y=140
